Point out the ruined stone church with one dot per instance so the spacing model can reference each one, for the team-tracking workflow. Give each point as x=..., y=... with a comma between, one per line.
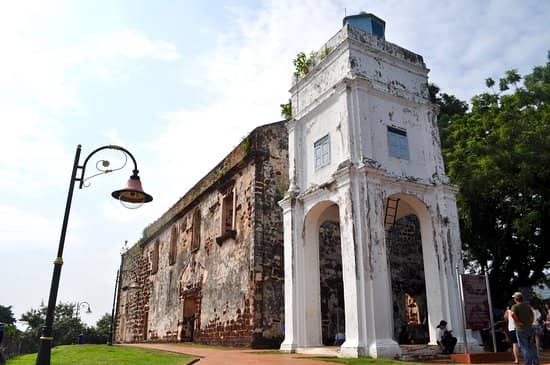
x=336, y=227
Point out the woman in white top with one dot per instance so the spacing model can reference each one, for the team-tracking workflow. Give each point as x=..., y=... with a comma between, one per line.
x=512, y=334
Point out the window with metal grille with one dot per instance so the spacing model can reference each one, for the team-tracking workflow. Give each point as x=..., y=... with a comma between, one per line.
x=322, y=152
x=398, y=145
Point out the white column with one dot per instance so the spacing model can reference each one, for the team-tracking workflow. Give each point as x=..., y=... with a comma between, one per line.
x=379, y=305
x=352, y=233
x=293, y=262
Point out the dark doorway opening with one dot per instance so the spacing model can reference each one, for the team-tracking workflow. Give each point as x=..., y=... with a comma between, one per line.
x=333, y=321
x=189, y=319
x=410, y=310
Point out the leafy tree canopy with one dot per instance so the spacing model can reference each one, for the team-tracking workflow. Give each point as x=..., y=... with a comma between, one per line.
x=6, y=315
x=498, y=153
x=66, y=326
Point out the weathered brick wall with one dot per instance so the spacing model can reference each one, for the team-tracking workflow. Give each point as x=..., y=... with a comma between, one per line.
x=225, y=309
x=407, y=276
x=237, y=299
x=134, y=292
x=271, y=183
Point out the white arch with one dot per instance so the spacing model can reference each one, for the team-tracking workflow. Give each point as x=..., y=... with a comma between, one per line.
x=432, y=273
x=326, y=210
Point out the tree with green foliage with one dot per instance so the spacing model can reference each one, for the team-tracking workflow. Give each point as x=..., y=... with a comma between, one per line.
x=498, y=153
x=66, y=326
x=6, y=315
x=99, y=334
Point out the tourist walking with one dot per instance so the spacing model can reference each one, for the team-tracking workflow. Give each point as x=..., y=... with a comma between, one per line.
x=522, y=313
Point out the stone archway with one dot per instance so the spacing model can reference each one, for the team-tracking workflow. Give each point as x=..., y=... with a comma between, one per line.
x=323, y=294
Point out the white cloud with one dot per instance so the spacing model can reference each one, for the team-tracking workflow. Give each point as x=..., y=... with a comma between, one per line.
x=31, y=152
x=24, y=229
x=40, y=85
x=126, y=44
x=47, y=76
x=248, y=72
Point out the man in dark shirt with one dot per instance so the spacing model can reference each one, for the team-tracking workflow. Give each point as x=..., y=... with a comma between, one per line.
x=522, y=313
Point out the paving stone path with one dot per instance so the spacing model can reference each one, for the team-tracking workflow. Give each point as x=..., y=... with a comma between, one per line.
x=231, y=356
x=217, y=356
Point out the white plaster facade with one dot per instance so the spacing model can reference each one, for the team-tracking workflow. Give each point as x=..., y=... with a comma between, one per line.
x=363, y=86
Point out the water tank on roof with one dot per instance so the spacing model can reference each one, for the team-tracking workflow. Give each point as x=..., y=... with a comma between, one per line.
x=368, y=22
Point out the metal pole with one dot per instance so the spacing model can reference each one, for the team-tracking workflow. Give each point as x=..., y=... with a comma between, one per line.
x=463, y=310
x=491, y=313
x=44, y=351
x=111, y=327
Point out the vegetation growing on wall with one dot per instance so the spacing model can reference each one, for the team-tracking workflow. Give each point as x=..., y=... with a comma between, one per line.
x=286, y=110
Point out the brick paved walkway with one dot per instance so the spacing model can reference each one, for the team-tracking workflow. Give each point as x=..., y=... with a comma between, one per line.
x=231, y=356
x=217, y=356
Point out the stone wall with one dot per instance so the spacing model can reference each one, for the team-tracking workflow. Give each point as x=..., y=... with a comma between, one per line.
x=198, y=279
x=271, y=183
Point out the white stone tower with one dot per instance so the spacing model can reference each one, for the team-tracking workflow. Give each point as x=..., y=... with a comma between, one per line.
x=364, y=152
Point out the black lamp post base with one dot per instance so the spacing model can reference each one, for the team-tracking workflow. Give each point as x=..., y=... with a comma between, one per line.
x=44, y=352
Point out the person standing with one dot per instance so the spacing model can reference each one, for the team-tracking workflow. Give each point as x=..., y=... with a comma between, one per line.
x=537, y=328
x=522, y=313
x=512, y=332
x=546, y=325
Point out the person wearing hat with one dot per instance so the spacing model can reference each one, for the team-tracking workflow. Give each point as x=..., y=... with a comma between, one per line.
x=513, y=337
x=445, y=339
x=522, y=313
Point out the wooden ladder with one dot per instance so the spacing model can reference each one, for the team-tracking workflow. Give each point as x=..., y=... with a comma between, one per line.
x=391, y=212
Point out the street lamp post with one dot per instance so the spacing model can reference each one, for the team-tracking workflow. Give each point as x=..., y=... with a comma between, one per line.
x=132, y=194
x=112, y=324
x=79, y=305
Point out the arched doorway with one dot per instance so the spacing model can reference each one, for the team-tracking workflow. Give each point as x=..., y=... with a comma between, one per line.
x=324, y=291
x=331, y=284
x=406, y=261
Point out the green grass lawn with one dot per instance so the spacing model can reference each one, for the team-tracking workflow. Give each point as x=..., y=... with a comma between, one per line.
x=105, y=355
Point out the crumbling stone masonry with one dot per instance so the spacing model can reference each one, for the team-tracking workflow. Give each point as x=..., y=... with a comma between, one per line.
x=210, y=269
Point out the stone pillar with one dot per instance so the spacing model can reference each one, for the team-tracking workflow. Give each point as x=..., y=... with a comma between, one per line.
x=379, y=306
x=293, y=261
x=352, y=235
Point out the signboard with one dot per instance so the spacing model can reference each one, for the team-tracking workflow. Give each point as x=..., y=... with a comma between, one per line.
x=476, y=302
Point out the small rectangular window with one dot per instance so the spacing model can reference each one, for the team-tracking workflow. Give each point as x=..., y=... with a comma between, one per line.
x=322, y=152
x=228, y=216
x=398, y=145
x=173, y=252
x=154, y=257
x=196, y=232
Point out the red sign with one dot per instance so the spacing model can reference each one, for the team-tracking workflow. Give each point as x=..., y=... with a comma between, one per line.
x=476, y=302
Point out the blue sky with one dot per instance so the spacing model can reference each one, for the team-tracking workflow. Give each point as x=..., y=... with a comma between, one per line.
x=179, y=84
